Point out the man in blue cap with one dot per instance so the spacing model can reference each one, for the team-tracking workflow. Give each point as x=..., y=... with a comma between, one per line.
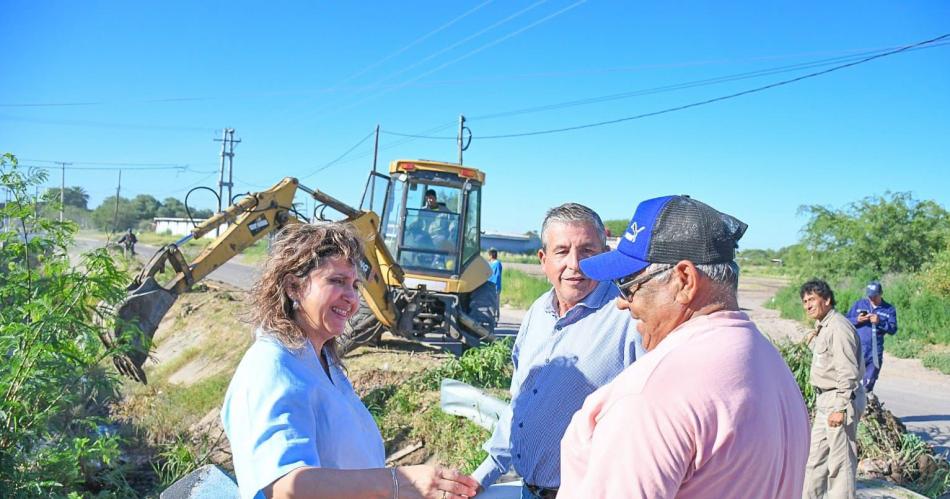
x=873, y=318
x=712, y=410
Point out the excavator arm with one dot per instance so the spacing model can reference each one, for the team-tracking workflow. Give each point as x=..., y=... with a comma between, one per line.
x=250, y=219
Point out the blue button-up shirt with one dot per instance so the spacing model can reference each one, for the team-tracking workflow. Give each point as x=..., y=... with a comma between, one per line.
x=559, y=361
x=887, y=323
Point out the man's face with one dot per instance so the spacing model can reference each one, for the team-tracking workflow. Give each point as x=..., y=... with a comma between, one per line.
x=431, y=202
x=565, y=245
x=876, y=300
x=815, y=306
x=653, y=304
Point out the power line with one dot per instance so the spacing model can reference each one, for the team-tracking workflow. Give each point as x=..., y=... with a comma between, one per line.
x=104, y=163
x=418, y=40
x=112, y=168
x=340, y=157
x=691, y=105
x=468, y=54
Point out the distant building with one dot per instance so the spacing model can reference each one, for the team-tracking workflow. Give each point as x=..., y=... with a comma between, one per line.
x=510, y=243
x=175, y=226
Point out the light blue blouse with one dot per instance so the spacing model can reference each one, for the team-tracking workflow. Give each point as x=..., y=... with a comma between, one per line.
x=282, y=412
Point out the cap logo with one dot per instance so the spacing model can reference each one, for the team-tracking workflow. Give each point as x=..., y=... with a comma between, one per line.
x=632, y=232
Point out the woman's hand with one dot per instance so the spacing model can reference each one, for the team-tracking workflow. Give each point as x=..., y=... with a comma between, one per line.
x=434, y=482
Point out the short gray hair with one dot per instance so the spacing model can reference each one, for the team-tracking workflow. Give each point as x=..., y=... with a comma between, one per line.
x=724, y=276
x=573, y=213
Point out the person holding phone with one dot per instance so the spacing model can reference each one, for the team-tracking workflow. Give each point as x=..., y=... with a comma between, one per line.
x=873, y=318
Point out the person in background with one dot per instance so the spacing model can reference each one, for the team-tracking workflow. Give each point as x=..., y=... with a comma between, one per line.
x=495, y=278
x=836, y=373
x=712, y=410
x=571, y=342
x=873, y=318
x=128, y=241
x=296, y=427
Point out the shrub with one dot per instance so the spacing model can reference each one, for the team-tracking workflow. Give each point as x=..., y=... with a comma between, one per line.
x=54, y=438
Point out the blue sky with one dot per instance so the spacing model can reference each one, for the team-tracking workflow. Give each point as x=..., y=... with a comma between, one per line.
x=303, y=82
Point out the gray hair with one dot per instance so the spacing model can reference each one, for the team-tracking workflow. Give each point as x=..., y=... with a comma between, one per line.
x=725, y=276
x=573, y=213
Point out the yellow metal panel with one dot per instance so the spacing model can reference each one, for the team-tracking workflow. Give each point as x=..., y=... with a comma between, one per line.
x=399, y=166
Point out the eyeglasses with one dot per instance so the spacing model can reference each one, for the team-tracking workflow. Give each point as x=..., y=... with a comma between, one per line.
x=629, y=285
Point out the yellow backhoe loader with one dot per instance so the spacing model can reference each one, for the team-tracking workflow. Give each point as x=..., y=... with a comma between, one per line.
x=425, y=277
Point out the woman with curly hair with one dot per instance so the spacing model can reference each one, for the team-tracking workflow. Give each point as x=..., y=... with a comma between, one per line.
x=296, y=427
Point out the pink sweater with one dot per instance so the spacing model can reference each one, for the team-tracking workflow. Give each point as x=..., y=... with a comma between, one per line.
x=713, y=411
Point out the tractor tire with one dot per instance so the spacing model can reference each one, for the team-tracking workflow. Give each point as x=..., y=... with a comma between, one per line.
x=362, y=329
x=483, y=306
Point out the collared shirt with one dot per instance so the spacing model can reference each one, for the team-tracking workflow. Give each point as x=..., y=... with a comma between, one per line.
x=835, y=363
x=558, y=362
x=282, y=412
x=887, y=323
x=712, y=411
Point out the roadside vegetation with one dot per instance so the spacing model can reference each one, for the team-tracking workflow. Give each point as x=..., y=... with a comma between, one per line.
x=56, y=436
x=519, y=290
x=904, y=243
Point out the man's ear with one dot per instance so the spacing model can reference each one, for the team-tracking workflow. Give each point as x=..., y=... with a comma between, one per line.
x=686, y=276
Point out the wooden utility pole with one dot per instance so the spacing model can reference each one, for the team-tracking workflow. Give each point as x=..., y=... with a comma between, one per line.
x=62, y=191
x=115, y=216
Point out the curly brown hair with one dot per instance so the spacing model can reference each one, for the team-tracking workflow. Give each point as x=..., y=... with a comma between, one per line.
x=295, y=252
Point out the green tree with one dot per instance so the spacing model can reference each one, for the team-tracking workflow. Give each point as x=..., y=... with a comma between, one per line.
x=52, y=384
x=145, y=207
x=616, y=227
x=878, y=234
x=171, y=207
x=108, y=217
x=72, y=196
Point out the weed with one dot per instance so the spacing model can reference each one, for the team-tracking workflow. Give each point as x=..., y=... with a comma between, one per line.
x=175, y=460
x=798, y=357
x=937, y=359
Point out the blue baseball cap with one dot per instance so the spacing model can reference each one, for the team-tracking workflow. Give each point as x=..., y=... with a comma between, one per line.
x=667, y=230
x=874, y=289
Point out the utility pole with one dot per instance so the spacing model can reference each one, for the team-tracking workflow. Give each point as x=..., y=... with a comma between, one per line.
x=461, y=130
x=62, y=190
x=227, y=153
x=372, y=182
x=115, y=216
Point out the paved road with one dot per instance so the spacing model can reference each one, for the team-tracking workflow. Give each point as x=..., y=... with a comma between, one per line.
x=919, y=396
x=231, y=273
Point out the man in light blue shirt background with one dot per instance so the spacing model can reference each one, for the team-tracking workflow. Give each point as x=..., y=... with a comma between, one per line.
x=495, y=278
x=573, y=340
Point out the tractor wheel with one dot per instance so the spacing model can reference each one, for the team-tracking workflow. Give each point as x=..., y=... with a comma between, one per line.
x=363, y=328
x=483, y=306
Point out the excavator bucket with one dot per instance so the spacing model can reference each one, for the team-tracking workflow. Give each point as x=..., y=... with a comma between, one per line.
x=144, y=307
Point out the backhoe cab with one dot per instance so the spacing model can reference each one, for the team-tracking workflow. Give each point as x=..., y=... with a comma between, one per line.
x=430, y=216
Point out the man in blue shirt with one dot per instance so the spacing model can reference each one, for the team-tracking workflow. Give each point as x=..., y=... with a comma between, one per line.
x=495, y=278
x=873, y=317
x=572, y=340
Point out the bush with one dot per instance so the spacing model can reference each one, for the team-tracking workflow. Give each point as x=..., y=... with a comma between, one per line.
x=54, y=438
x=935, y=275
